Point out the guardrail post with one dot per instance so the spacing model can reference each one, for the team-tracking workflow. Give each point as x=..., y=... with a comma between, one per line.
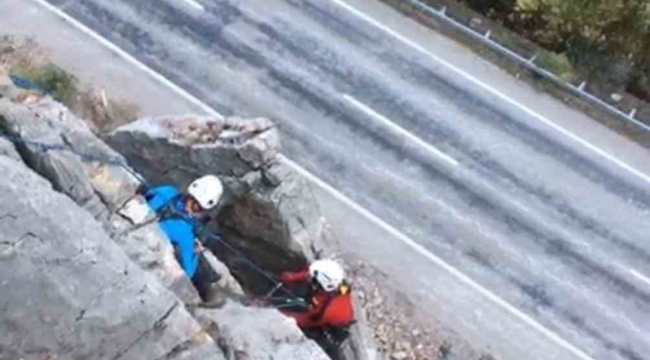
x=582, y=85
x=485, y=39
x=632, y=113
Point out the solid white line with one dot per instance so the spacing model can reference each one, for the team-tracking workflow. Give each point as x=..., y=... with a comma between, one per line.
x=438, y=261
x=126, y=56
x=640, y=276
x=366, y=109
x=358, y=208
x=195, y=5
x=492, y=90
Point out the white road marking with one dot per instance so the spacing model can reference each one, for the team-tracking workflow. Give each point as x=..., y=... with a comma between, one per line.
x=640, y=276
x=338, y=195
x=195, y=5
x=126, y=56
x=438, y=261
x=492, y=90
x=372, y=113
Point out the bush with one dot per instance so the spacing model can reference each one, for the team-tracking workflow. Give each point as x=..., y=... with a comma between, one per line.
x=61, y=85
x=26, y=60
x=558, y=64
x=54, y=81
x=605, y=41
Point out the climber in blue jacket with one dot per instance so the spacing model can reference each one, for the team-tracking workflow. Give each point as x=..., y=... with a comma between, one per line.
x=179, y=215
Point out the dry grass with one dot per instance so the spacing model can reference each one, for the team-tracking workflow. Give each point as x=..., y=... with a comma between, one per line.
x=25, y=59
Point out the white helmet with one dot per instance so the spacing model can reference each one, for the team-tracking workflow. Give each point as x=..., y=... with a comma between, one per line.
x=206, y=190
x=328, y=273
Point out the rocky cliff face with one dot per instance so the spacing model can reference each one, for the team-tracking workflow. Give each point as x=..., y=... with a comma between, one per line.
x=69, y=291
x=78, y=281
x=237, y=329
x=269, y=212
x=62, y=149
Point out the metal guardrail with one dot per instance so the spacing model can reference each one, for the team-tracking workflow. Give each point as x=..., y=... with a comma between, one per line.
x=528, y=63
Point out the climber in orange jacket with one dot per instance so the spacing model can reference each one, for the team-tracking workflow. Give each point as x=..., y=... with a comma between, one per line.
x=328, y=296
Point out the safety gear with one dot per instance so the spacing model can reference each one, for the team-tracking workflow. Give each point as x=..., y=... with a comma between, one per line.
x=330, y=304
x=167, y=202
x=332, y=309
x=327, y=273
x=291, y=277
x=206, y=190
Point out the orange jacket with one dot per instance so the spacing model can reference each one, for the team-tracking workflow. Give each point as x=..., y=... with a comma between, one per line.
x=325, y=309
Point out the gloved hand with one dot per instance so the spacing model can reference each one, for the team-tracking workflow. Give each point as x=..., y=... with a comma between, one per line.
x=142, y=189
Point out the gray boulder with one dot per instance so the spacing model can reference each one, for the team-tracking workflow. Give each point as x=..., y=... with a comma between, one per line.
x=257, y=334
x=5, y=80
x=8, y=149
x=69, y=292
x=268, y=210
x=226, y=283
x=89, y=299
x=61, y=148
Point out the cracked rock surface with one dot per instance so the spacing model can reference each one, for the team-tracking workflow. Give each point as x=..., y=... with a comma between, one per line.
x=237, y=330
x=69, y=291
x=81, y=282
x=60, y=147
x=268, y=210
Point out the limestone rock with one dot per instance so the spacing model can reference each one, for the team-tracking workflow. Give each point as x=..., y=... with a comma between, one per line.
x=266, y=206
x=68, y=291
x=226, y=283
x=61, y=148
x=269, y=212
x=76, y=286
x=8, y=149
x=257, y=334
x=5, y=81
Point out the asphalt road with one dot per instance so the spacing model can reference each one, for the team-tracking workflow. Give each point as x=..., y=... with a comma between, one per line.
x=520, y=235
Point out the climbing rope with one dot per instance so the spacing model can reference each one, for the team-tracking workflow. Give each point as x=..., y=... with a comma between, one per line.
x=87, y=157
x=277, y=285
x=202, y=231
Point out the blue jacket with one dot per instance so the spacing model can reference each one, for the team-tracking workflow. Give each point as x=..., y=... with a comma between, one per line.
x=180, y=230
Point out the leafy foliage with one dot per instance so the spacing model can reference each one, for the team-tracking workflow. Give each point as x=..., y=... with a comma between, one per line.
x=604, y=40
x=607, y=37
x=52, y=79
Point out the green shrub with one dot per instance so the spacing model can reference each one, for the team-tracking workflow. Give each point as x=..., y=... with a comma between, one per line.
x=55, y=81
x=558, y=64
x=61, y=85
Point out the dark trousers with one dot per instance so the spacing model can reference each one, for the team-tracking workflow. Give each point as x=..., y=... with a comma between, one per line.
x=204, y=278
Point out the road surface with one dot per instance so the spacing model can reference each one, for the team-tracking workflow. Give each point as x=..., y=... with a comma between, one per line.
x=508, y=217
